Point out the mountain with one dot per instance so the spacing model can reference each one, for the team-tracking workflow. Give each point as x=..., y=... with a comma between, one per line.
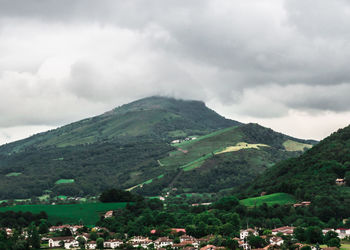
x=130, y=147
x=149, y=118
x=312, y=177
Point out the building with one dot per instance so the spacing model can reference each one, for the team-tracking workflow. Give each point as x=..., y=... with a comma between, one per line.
x=343, y=232
x=276, y=241
x=340, y=182
x=112, y=243
x=283, y=230
x=108, y=214
x=163, y=242
x=245, y=233
x=55, y=242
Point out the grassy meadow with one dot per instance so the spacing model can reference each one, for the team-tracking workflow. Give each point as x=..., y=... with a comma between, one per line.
x=271, y=199
x=88, y=213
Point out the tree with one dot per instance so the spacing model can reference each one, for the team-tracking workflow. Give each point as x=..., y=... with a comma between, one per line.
x=334, y=242
x=82, y=242
x=99, y=243
x=43, y=227
x=299, y=233
x=330, y=235
x=93, y=236
x=314, y=235
x=33, y=236
x=256, y=241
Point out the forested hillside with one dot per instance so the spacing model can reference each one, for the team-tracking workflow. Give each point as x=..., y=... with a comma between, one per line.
x=312, y=176
x=130, y=148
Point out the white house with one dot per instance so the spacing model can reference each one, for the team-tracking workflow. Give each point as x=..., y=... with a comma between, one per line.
x=91, y=245
x=55, y=242
x=283, y=230
x=276, y=241
x=163, y=242
x=343, y=232
x=112, y=243
x=71, y=244
x=245, y=233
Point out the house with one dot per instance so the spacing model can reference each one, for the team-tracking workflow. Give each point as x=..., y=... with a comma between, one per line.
x=112, y=243
x=91, y=245
x=55, y=242
x=163, y=242
x=245, y=233
x=108, y=214
x=243, y=245
x=343, y=232
x=326, y=230
x=302, y=204
x=183, y=244
x=340, y=182
x=75, y=228
x=58, y=228
x=206, y=238
x=186, y=237
x=276, y=241
x=138, y=239
x=69, y=244
x=283, y=230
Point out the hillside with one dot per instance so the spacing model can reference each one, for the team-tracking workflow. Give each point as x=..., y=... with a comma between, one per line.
x=130, y=146
x=156, y=118
x=312, y=176
x=224, y=159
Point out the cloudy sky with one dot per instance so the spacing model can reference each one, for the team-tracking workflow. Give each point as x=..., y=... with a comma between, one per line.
x=283, y=64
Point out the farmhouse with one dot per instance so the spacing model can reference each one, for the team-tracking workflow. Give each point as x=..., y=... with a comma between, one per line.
x=55, y=242
x=108, y=214
x=276, y=241
x=302, y=204
x=340, y=182
x=112, y=243
x=283, y=230
x=163, y=242
x=245, y=233
x=343, y=232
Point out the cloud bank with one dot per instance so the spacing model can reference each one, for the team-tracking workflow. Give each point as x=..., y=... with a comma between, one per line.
x=259, y=60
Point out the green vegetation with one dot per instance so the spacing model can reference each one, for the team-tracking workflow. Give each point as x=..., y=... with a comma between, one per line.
x=87, y=213
x=291, y=145
x=271, y=199
x=311, y=177
x=64, y=181
x=13, y=174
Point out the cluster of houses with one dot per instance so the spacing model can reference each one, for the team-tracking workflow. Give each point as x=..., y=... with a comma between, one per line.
x=185, y=241
x=276, y=241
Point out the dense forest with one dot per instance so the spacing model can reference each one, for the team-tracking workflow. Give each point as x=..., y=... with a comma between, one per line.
x=312, y=177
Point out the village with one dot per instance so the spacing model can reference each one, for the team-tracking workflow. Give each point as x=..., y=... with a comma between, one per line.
x=81, y=237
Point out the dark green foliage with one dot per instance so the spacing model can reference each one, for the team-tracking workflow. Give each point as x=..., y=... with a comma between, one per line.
x=256, y=241
x=314, y=235
x=312, y=177
x=19, y=219
x=117, y=195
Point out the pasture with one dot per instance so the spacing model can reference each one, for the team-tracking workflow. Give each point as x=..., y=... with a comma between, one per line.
x=271, y=199
x=87, y=213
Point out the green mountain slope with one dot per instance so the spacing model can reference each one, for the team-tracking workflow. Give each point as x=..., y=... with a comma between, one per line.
x=312, y=176
x=156, y=118
x=223, y=159
x=130, y=147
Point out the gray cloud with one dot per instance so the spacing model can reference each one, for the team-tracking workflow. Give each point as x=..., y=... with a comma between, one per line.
x=64, y=60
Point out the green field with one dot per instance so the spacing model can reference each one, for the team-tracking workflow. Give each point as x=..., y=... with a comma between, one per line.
x=64, y=181
x=271, y=199
x=13, y=174
x=88, y=213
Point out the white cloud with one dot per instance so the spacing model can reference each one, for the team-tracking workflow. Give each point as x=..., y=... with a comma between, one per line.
x=260, y=60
